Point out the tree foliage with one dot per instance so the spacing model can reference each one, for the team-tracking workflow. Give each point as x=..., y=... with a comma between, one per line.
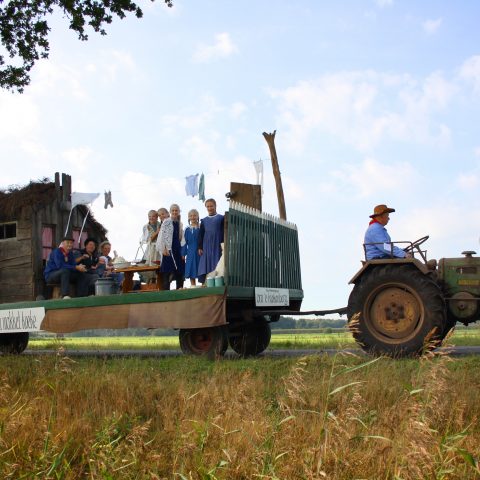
x=24, y=30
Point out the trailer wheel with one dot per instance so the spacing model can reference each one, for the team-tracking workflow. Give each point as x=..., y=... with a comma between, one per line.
x=211, y=342
x=251, y=339
x=13, y=342
x=399, y=309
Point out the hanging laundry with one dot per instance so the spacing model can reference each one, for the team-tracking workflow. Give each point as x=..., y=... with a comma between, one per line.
x=78, y=198
x=201, y=188
x=108, y=199
x=259, y=169
x=191, y=185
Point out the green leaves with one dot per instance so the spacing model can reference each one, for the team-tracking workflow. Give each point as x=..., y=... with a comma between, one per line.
x=24, y=30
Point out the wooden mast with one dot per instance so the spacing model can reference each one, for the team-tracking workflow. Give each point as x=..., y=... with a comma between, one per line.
x=270, y=138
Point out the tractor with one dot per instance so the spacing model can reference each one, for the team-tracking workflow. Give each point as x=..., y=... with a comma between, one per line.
x=401, y=307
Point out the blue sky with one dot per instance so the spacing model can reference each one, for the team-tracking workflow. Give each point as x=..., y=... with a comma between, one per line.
x=374, y=101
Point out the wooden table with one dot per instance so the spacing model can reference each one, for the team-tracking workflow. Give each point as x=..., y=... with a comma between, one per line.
x=127, y=285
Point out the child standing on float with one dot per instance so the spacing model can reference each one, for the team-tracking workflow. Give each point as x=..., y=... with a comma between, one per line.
x=190, y=249
x=149, y=237
x=210, y=240
x=169, y=245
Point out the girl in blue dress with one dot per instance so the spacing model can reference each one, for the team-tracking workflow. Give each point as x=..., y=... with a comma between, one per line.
x=210, y=240
x=190, y=249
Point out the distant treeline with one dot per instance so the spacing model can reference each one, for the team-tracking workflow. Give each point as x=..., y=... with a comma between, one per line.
x=290, y=323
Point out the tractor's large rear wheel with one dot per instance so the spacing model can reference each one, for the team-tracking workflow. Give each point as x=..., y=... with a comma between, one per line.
x=211, y=342
x=396, y=310
x=13, y=342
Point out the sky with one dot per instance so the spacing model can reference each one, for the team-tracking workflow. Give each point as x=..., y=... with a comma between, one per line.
x=373, y=101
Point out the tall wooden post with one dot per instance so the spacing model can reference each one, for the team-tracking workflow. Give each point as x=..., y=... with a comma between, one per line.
x=270, y=138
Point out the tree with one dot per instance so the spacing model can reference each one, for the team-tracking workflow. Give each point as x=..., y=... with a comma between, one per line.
x=24, y=30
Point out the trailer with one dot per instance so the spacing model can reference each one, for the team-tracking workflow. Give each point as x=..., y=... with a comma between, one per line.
x=262, y=280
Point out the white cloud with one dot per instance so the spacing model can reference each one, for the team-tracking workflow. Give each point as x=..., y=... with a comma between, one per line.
x=431, y=26
x=470, y=72
x=114, y=63
x=372, y=177
x=293, y=189
x=20, y=116
x=384, y=3
x=52, y=78
x=467, y=181
x=445, y=223
x=193, y=117
x=75, y=156
x=237, y=109
x=222, y=48
x=365, y=108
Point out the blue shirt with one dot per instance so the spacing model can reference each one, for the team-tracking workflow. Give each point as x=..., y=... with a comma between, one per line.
x=57, y=261
x=377, y=233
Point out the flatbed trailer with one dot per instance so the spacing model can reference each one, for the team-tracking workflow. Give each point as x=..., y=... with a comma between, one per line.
x=262, y=281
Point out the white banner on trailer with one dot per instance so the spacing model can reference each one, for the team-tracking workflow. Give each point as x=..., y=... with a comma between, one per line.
x=21, y=319
x=271, y=297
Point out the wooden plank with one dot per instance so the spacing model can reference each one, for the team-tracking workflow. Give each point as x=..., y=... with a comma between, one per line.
x=13, y=248
x=247, y=194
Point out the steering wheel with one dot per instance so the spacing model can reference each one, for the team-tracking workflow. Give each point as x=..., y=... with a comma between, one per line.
x=416, y=244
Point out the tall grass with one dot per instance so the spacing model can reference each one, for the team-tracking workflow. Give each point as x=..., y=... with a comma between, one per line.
x=318, y=417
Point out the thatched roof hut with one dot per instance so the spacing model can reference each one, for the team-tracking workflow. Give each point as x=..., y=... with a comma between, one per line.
x=33, y=219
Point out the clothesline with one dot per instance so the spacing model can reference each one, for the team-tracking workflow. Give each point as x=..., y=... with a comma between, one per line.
x=142, y=185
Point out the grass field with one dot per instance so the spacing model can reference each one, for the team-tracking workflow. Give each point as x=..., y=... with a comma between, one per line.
x=339, y=417
x=467, y=336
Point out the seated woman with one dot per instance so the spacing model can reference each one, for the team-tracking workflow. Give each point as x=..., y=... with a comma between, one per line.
x=88, y=257
x=62, y=268
x=105, y=265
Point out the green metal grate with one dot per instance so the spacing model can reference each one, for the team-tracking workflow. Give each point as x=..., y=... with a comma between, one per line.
x=261, y=250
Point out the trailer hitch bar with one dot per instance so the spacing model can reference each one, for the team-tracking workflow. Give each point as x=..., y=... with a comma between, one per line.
x=318, y=313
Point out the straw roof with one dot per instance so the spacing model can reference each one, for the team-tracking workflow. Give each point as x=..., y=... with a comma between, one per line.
x=34, y=196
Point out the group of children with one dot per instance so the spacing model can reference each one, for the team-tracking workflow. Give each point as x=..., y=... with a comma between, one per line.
x=190, y=253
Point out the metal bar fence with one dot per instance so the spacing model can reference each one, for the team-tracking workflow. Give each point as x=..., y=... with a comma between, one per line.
x=262, y=250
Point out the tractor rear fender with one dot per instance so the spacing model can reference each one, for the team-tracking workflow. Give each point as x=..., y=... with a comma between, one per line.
x=388, y=261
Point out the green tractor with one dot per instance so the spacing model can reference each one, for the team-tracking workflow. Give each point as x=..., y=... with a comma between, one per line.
x=403, y=306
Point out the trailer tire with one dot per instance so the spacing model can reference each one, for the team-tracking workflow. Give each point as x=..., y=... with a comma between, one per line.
x=14, y=343
x=211, y=342
x=251, y=339
x=394, y=309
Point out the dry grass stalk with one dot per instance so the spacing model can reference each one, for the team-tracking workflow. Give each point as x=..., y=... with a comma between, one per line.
x=183, y=418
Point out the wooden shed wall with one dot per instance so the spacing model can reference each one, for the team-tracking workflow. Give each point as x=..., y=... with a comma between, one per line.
x=16, y=268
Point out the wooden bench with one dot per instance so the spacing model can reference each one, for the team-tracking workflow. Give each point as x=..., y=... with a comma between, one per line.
x=56, y=292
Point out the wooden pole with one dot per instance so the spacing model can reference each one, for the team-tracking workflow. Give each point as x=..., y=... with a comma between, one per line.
x=270, y=138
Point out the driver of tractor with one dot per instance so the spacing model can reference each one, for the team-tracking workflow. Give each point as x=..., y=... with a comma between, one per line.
x=378, y=243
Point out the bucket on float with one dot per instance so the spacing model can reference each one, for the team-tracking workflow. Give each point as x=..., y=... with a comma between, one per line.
x=104, y=286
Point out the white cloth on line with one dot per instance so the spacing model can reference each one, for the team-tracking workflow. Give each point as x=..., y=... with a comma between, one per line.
x=191, y=185
x=259, y=170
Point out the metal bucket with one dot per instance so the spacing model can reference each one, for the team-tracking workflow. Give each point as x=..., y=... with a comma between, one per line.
x=104, y=286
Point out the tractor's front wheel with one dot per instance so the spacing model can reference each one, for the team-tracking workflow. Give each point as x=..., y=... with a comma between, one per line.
x=211, y=342
x=396, y=310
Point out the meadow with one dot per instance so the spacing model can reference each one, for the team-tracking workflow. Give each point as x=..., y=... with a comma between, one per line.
x=339, y=417
x=315, y=339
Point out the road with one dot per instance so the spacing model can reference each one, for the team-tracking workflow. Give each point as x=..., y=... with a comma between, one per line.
x=452, y=351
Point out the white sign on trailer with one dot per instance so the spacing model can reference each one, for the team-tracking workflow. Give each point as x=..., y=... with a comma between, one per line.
x=271, y=297
x=21, y=319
